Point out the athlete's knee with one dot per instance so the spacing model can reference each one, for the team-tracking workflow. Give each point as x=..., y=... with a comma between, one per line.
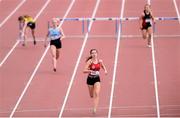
x=53, y=55
x=144, y=37
x=96, y=94
x=149, y=35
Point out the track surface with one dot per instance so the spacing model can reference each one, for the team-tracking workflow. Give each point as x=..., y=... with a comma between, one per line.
x=134, y=89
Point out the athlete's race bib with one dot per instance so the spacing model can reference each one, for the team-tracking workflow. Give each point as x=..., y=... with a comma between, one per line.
x=148, y=20
x=54, y=37
x=95, y=73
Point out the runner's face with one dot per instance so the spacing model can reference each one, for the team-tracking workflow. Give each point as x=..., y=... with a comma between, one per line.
x=94, y=53
x=55, y=24
x=146, y=7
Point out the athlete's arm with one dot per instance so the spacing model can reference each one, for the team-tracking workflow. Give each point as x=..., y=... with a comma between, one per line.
x=103, y=66
x=45, y=40
x=63, y=36
x=86, y=68
x=141, y=20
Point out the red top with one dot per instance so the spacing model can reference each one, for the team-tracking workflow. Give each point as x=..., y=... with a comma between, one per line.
x=95, y=67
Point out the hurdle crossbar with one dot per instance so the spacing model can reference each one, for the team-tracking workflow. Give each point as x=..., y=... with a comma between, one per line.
x=114, y=18
x=118, y=21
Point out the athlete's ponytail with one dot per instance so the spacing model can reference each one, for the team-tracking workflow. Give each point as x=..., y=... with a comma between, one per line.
x=88, y=58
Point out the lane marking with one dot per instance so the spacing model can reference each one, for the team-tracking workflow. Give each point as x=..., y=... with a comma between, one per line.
x=27, y=85
x=17, y=42
x=40, y=61
x=155, y=77
x=41, y=39
x=155, y=74
x=146, y=107
x=9, y=53
x=4, y=21
x=116, y=61
x=78, y=60
x=177, y=11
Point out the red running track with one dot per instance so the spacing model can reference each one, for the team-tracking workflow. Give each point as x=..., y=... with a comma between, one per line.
x=7, y=7
x=167, y=58
x=134, y=89
x=79, y=104
x=52, y=85
x=10, y=36
x=17, y=69
x=134, y=93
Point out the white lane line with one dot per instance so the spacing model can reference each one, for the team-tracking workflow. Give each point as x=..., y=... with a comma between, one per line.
x=4, y=21
x=155, y=78
x=78, y=60
x=41, y=39
x=9, y=53
x=155, y=75
x=116, y=60
x=17, y=42
x=27, y=85
x=123, y=108
x=177, y=11
x=40, y=61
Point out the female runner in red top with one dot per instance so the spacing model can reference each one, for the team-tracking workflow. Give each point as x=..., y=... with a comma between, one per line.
x=146, y=20
x=92, y=67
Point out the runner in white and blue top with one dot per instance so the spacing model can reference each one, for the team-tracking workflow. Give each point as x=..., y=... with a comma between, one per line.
x=55, y=34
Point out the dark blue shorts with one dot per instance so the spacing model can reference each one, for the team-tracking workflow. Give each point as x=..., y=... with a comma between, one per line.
x=92, y=79
x=57, y=43
x=146, y=26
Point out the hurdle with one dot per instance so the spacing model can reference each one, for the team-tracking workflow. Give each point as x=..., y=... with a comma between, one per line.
x=118, y=21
